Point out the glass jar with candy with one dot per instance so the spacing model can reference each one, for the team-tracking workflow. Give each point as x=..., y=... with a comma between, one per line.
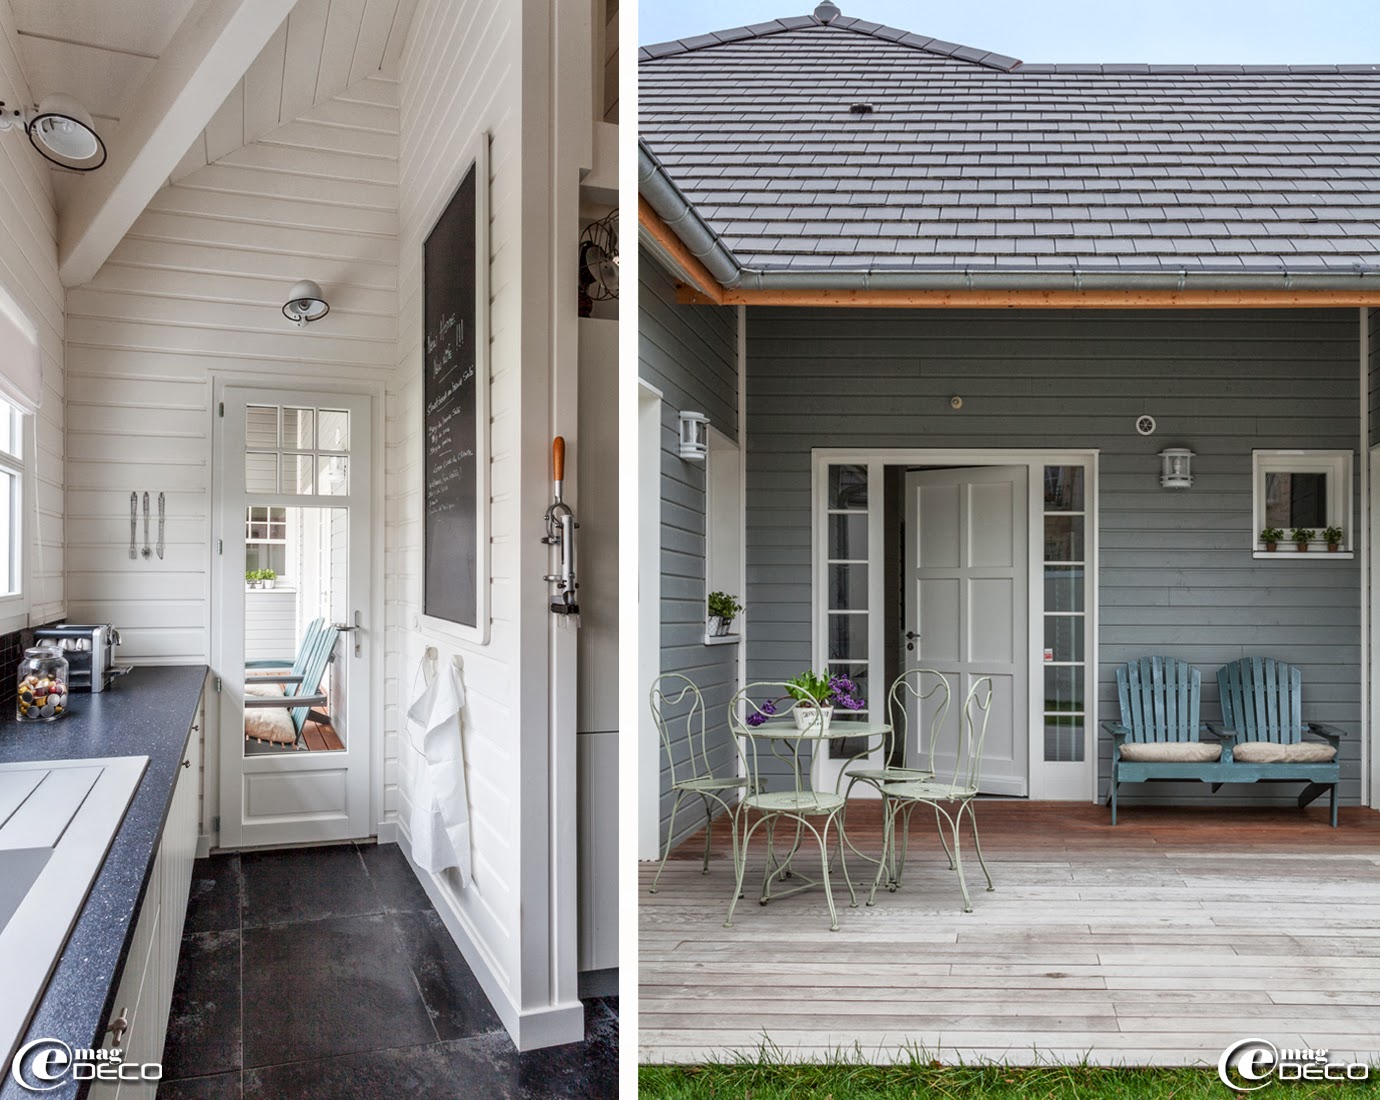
x=42, y=695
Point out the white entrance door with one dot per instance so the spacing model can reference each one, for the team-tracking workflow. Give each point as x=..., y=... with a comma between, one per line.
x=966, y=601
x=294, y=500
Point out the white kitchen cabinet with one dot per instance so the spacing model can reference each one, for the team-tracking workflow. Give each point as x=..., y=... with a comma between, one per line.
x=143, y=997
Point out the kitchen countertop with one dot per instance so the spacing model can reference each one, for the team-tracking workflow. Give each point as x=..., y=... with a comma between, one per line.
x=147, y=713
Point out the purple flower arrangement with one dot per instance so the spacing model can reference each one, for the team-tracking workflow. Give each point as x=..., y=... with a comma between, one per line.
x=813, y=689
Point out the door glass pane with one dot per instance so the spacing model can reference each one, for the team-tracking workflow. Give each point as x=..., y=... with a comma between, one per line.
x=297, y=429
x=847, y=487
x=1063, y=488
x=332, y=475
x=1064, y=688
x=848, y=537
x=1063, y=588
x=334, y=425
x=1295, y=500
x=1063, y=538
x=286, y=653
x=260, y=472
x=847, y=586
x=1064, y=738
x=1063, y=637
x=261, y=427
x=10, y=438
x=847, y=637
x=302, y=470
x=9, y=542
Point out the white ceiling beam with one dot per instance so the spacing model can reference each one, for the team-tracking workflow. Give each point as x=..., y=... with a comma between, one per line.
x=203, y=63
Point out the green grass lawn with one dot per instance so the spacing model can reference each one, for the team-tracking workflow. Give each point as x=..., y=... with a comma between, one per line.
x=840, y=1081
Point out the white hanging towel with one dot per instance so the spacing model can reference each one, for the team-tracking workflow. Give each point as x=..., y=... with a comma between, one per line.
x=440, y=810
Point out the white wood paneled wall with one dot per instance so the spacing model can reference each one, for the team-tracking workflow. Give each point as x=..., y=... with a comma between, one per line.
x=196, y=287
x=460, y=75
x=28, y=269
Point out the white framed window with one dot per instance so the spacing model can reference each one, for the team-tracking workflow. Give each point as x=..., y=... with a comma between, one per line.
x=723, y=527
x=266, y=539
x=1308, y=490
x=14, y=476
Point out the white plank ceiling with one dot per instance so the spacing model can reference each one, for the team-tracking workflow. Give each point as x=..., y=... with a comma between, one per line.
x=100, y=52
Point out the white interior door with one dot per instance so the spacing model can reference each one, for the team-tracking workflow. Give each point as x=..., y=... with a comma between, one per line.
x=966, y=599
x=294, y=497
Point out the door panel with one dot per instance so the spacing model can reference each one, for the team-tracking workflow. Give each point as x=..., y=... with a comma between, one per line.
x=295, y=498
x=967, y=541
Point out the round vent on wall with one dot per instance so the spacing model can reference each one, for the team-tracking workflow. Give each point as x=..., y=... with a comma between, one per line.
x=1145, y=425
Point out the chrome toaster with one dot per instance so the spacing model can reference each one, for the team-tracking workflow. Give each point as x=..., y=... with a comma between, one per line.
x=90, y=653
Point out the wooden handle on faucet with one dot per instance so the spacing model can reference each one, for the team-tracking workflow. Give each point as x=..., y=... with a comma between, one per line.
x=558, y=458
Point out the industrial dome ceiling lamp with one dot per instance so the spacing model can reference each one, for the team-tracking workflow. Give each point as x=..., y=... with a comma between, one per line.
x=60, y=128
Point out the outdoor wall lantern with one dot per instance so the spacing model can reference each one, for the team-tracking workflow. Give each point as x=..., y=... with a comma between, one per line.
x=61, y=130
x=694, y=436
x=1175, y=468
x=305, y=303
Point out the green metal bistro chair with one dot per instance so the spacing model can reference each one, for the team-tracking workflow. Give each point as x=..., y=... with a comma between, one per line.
x=901, y=798
x=676, y=702
x=816, y=812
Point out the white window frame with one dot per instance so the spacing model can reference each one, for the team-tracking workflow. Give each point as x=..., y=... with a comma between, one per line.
x=14, y=607
x=1337, y=465
x=723, y=529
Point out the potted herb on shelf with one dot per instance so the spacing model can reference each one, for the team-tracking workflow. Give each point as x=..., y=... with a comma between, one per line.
x=251, y=579
x=1301, y=537
x=723, y=609
x=1333, y=537
x=268, y=577
x=1271, y=537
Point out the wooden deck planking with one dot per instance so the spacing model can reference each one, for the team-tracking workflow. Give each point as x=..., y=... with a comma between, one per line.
x=1157, y=942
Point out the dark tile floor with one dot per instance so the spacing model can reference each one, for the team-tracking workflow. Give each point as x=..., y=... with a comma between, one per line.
x=326, y=974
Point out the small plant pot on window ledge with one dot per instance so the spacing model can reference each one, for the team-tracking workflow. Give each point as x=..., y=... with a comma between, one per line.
x=1271, y=547
x=1302, y=547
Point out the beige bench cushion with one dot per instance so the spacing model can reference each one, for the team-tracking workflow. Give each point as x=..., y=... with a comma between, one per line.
x=1266, y=752
x=1175, y=752
x=264, y=691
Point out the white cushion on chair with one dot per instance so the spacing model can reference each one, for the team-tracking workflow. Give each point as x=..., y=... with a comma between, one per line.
x=264, y=691
x=269, y=724
x=1267, y=752
x=1177, y=752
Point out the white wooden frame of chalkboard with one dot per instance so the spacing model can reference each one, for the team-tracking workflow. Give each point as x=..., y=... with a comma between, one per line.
x=476, y=156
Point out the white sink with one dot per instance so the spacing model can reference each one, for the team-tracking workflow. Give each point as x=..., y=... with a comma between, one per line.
x=57, y=819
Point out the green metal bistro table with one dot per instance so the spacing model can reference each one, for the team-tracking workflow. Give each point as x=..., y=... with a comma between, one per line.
x=798, y=801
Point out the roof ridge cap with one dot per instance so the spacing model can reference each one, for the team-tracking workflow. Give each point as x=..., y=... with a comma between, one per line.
x=987, y=58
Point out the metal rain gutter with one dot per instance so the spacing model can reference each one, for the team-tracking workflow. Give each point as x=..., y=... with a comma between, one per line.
x=672, y=207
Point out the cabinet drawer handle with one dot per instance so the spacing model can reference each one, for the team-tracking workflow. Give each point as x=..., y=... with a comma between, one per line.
x=119, y=1025
x=186, y=763
x=196, y=729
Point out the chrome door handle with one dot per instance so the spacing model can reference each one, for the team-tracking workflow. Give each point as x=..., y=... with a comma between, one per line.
x=357, y=628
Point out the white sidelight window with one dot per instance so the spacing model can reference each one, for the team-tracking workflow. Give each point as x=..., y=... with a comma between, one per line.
x=1303, y=491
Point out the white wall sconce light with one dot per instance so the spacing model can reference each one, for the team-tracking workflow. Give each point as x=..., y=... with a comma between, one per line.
x=61, y=130
x=1176, y=468
x=694, y=436
x=305, y=303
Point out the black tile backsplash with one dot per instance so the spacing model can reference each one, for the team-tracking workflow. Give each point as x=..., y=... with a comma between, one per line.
x=12, y=647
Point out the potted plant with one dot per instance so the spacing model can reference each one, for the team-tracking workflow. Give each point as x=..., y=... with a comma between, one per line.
x=1301, y=537
x=251, y=578
x=1333, y=537
x=723, y=609
x=268, y=577
x=1271, y=537
x=816, y=695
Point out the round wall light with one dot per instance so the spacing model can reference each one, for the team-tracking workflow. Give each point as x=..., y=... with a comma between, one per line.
x=305, y=303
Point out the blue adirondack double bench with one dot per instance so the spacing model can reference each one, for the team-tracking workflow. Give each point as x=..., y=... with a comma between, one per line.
x=1260, y=737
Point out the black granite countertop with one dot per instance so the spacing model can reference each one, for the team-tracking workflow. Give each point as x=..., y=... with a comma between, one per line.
x=147, y=713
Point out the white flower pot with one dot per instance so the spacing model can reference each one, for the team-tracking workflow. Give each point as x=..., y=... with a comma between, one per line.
x=809, y=717
x=715, y=627
x=269, y=583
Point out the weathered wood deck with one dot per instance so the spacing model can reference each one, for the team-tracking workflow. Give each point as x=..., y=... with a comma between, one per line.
x=1158, y=942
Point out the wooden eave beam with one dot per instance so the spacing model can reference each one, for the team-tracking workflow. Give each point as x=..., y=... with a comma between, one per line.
x=212, y=49
x=1034, y=299
x=704, y=288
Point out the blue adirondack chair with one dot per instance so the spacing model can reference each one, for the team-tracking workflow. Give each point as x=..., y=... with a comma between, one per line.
x=1262, y=729
x=300, y=689
x=1158, y=735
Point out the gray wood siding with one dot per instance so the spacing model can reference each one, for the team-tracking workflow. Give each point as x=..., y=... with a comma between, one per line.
x=690, y=354
x=1177, y=575
x=1373, y=332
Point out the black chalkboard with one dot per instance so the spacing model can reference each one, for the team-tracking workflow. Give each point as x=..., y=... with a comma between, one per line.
x=451, y=410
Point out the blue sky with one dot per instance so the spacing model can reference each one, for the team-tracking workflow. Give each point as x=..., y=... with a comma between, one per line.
x=1229, y=31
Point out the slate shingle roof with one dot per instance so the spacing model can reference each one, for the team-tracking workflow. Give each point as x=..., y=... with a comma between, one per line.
x=974, y=161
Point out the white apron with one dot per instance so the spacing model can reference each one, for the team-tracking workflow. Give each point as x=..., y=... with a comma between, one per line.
x=440, y=810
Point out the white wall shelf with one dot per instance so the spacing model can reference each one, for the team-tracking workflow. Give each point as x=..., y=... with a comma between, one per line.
x=722, y=639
